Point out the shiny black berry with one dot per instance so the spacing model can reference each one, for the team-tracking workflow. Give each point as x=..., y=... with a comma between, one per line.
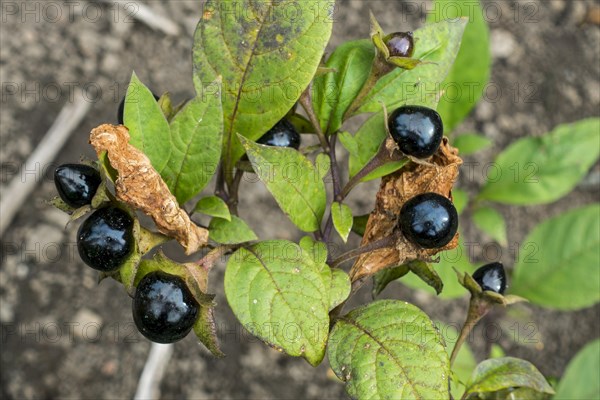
x=283, y=134
x=429, y=220
x=417, y=130
x=105, y=239
x=491, y=277
x=164, y=309
x=400, y=44
x=122, y=108
x=76, y=183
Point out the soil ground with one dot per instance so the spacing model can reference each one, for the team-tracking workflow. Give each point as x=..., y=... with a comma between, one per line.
x=64, y=336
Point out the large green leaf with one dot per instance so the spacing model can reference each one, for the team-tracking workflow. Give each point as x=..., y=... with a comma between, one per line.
x=537, y=170
x=334, y=92
x=580, y=381
x=148, y=127
x=502, y=373
x=276, y=291
x=470, y=72
x=559, y=259
x=389, y=349
x=265, y=56
x=457, y=258
x=196, y=137
x=293, y=181
x=436, y=43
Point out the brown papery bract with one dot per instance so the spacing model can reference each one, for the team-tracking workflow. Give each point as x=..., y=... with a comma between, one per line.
x=142, y=187
x=395, y=189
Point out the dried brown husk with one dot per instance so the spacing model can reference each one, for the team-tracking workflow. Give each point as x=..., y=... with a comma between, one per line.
x=395, y=189
x=140, y=185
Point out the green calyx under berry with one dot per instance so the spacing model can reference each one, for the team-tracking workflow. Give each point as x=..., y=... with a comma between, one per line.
x=400, y=44
x=105, y=239
x=491, y=277
x=282, y=134
x=417, y=130
x=164, y=309
x=76, y=183
x=429, y=220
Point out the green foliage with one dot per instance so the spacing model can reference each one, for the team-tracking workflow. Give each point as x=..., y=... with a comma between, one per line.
x=389, y=349
x=148, y=127
x=470, y=72
x=342, y=219
x=293, y=181
x=502, y=373
x=537, y=170
x=230, y=231
x=277, y=291
x=490, y=221
x=580, y=380
x=265, y=60
x=213, y=206
x=558, y=261
x=470, y=143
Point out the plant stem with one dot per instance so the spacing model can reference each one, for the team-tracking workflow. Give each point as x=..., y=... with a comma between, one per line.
x=220, y=184
x=335, y=173
x=209, y=260
x=378, y=69
x=477, y=309
x=306, y=102
x=233, y=191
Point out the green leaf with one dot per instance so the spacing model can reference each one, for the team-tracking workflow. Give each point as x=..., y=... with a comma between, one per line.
x=230, y=232
x=490, y=221
x=437, y=44
x=334, y=92
x=293, y=181
x=470, y=72
x=457, y=258
x=277, y=292
x=580, y=380
x=342, y=219
x=389, y=349
x=360, y=224
x=382, y=278
x=427, y=274
x=315, y=249
x=148, y=127
x=322, y=163
x=196, y=136
x=470, y=143
x=558, y=261
x=538, y=170
x=265, y=56
x=213, y=206
x=502, y=373
x=340, y=288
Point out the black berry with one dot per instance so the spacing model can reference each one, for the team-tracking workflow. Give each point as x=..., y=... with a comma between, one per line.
x=76, y=183
x=105, y=239
x=122, y=108
x=164, y=309
x=283, y=134
x=491, y=277
x=400, y=44
x=429, y=220
x=417, y=130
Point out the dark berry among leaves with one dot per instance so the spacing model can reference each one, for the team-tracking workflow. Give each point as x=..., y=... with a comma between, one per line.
x=491, y=277
x=122, y=109
x=105, y=239
x=283, y=134
x=76, y=183
x=400, y=44
x=164, y=309
x=429, y=220
x=417, y=130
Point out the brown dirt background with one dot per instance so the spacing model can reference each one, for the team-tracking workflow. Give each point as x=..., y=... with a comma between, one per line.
x=45, y=288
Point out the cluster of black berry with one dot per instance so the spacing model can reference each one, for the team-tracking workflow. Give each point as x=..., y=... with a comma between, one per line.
x=164, y=310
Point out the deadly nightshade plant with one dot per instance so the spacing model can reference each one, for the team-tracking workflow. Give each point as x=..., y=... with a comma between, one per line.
x=163, y=156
